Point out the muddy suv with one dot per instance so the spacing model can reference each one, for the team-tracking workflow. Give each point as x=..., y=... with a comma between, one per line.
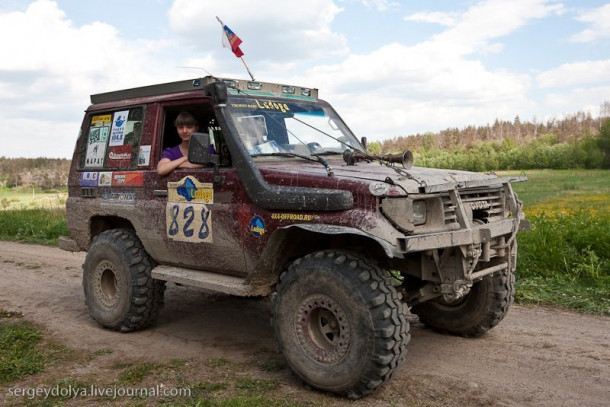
x=287, y=204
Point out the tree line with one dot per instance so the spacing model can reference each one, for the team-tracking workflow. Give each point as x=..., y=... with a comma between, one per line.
x=28, y=172
x=575, y=141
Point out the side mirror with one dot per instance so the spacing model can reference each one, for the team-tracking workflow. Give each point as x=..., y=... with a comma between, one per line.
x=363, y=142
x=199, y=150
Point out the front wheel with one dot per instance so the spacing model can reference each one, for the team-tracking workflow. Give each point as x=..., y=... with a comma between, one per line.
x=481, y=309
x=119, y=290
x=340, y=323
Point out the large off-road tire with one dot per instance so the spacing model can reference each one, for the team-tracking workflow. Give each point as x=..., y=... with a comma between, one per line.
x=119, y=290
x=340, y=323
x=481, y=309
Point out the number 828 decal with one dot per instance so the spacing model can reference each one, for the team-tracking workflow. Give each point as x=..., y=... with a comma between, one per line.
x=187, y=216
x=189, y=222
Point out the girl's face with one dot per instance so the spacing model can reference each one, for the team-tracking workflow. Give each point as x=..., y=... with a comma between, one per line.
x=185, y=131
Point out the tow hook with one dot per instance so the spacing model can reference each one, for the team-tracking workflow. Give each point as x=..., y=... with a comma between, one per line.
x=453, y=291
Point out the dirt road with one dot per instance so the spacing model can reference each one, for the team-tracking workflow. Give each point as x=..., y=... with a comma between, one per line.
x=536, y=356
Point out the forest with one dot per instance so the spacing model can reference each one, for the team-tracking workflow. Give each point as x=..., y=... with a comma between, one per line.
x=41, y=172
x=576, y=141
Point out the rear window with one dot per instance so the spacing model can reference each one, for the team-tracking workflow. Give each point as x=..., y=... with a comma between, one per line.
x=113, y=139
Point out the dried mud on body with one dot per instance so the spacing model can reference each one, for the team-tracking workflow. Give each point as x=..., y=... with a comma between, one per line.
x=536, y=356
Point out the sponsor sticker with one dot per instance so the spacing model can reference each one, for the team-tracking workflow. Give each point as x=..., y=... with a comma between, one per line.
x=119, y=156
x=257, y=226
x=119, y=122
x=295, y=216
x=127, y=179
x=189, y=189
x=89, y=179
x=105, y=179
x=144, y=156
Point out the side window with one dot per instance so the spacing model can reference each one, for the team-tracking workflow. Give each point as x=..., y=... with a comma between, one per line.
x=207, y=124
x=113, y=139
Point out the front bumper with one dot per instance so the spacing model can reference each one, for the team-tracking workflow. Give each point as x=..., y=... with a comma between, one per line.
x=476, y=235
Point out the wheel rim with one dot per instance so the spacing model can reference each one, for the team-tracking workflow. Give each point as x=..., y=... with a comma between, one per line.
x=106, y=284
x=322, y=329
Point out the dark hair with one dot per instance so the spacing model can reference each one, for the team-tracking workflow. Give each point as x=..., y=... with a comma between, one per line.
x=185, y=119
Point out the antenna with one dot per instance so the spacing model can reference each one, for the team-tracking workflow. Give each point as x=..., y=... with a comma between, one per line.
x=196, y=67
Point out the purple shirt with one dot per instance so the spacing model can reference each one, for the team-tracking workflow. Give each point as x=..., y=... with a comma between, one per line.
x=172, y=153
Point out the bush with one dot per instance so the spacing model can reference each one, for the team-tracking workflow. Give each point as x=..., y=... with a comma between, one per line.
x=543, y=153
x=567, y=246
x=43, y=226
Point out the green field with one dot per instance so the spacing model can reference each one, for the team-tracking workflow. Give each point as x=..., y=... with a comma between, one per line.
x=27, y=198
x=564, y=260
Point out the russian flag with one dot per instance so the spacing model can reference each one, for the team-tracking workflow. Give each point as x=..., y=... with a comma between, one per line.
x=231, y=40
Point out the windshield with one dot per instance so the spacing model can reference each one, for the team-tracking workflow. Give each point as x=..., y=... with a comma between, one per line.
x=271, y=126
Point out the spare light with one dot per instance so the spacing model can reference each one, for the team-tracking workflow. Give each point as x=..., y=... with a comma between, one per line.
x=231, y=84
x=305, y=92
x=287, y=89
x=254, y=85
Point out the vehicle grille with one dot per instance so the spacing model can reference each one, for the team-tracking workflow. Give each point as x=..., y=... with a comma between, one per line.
x=449, y=211
x=487, y=205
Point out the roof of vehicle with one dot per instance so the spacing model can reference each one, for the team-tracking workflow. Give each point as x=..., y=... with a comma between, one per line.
x=234, y=86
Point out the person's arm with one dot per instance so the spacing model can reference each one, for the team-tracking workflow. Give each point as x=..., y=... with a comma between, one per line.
x=166, y=165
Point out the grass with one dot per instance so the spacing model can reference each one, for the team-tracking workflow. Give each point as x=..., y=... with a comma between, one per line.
x=23, y=350
x=36, y=225
x=24, y=198
x=564, y=260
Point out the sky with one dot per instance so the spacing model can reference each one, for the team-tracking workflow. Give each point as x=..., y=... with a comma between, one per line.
x=389, y=67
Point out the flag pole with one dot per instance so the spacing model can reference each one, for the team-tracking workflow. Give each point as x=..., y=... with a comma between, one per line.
x=247, y=69
x=228, y=39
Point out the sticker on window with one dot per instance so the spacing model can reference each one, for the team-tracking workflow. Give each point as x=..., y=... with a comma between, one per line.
x=144, y=156
x=119, y=123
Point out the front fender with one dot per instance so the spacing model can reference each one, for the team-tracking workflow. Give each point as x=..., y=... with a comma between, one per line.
x=389, y=249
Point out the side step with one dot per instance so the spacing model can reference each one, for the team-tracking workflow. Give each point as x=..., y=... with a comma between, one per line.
x=203, y=279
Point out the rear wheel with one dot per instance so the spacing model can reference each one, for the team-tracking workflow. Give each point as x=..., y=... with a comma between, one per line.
x=119, y=289
x=340, y=323
x=481, y=309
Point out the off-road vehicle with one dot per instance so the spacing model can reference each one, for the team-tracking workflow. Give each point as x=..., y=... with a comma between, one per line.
x=287, y=204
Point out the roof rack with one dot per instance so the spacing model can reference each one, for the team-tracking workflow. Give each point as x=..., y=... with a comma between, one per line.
x=254, y=88
x=152, y=90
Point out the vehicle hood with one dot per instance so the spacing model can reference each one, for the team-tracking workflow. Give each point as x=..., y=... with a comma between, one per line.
x=414, y=180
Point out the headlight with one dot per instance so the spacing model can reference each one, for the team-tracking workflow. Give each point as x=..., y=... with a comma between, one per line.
x=405, y=212
x=419, y=212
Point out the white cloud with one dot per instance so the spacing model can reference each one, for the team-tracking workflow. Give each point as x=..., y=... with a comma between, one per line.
x=437, y=83
x=446, y=19
x=381, y=5
x=49, y=67
x=417, y=89
x=599, y=20
x=577, y=99
x=577, y=73
x=268, y=31
x=492, y=19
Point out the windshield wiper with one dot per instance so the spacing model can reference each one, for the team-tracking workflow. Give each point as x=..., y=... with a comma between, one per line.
x=317, y=159
x=284, y=154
